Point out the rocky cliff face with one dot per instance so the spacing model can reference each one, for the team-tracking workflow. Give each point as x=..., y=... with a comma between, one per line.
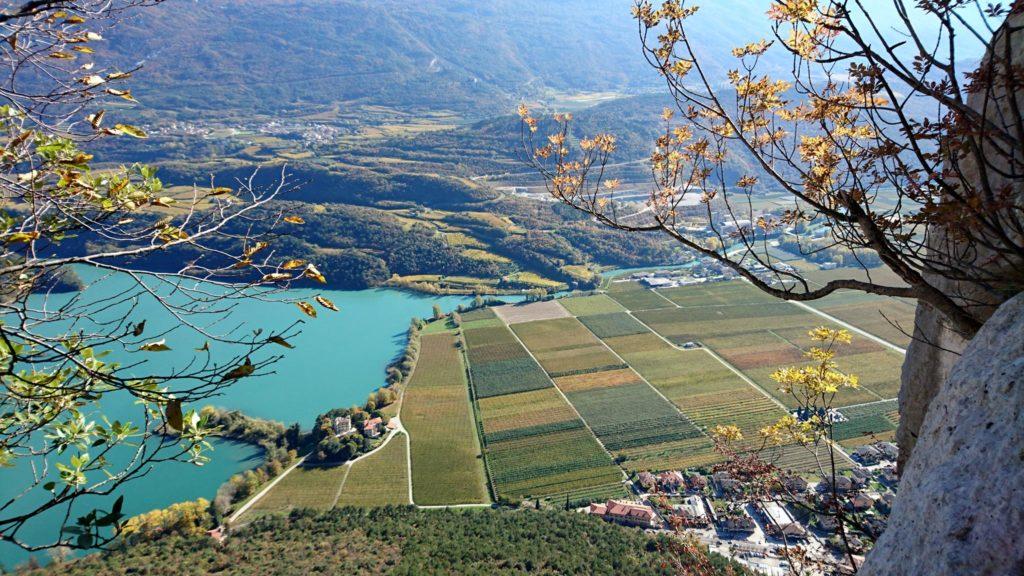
x=936, y=346
x=960, y=508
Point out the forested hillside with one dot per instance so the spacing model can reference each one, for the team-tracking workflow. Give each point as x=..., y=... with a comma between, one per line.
x=405, y=541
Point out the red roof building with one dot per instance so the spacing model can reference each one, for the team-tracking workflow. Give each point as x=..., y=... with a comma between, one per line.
x=626, y=513
x=371, y=428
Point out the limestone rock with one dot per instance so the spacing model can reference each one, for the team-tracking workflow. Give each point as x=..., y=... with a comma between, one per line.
x=960, y=508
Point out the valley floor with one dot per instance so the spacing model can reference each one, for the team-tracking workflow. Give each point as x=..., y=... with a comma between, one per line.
x=563, y=400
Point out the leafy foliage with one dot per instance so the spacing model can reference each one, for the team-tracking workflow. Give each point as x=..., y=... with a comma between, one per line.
x=402, y=540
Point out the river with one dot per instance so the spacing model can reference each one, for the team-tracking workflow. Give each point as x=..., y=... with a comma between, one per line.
x=338, y=359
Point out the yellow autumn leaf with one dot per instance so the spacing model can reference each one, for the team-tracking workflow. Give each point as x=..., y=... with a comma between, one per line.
x=250, y=250
x=326, y=303
x=96, y=119
x=293, y=264
x=294, y=220
x=275, y=277
x=312, y=272
x=307, y=309
x=158, y=346
x=130, y=130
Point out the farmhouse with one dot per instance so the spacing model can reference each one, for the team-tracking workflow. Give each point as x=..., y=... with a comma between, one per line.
x=647, y=480
x=371, y=428
x=626, y=513
x=671, y=481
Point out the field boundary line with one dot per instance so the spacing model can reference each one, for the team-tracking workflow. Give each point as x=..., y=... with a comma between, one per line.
x=341, y=486
x=564, y=397
x=259, y=495
x=867, y=403
x=642, y=378
x=408, y=465
x=721, y=360
x=849, y=326
x=492, y=488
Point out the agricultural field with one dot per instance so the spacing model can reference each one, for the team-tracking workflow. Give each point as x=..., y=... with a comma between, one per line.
x=535, y=444
x=705, y=390
x=305, y=487
x=759, y=336
x=565, y=347
x=891, y=319
x=626, y=414
x=582, y=306
x=867, y=423
x=613, y=325
x=516, y=313
x=436, y=412
x=499, y=364
x=379, y=479
x=635, y=297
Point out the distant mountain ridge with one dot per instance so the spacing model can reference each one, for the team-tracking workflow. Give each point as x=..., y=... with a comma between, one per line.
x=238, y=56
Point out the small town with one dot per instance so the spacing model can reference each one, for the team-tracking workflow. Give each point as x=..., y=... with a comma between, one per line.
x=716, y=509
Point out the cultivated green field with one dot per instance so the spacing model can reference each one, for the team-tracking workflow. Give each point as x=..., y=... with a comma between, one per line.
x=535, y=444
x=447, y=467
x=305, y=487
x=891, y=319
x=591, y=305
x=635, y=297
x=758, y=335
x=379, y=479
x=626, y=413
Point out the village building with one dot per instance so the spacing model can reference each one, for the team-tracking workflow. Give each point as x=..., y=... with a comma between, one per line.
x=647, y=481
x=695, y=481
x=371, y=428
x=671, y=481
x=738, y=522
x=860, y=502
x=692, y=513
x=626, y=513
x=889, y=450
x=726, y=484
x=342, y=426
x=826, y=522
x=780, y=523
x=794, y=484
x=843, y=484
x=868, y=454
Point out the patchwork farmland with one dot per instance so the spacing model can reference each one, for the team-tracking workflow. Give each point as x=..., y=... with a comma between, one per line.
x=757, y=334
x=556, y=400
x=620, y=361
x=628, y=416
x=535, y=444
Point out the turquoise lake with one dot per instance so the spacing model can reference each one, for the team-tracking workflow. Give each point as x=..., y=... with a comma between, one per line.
x=338, y=359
